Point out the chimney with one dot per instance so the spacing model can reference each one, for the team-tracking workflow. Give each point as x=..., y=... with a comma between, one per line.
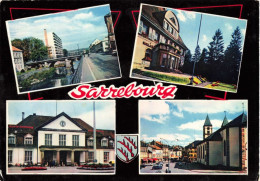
x=22, y=115
x=46, y=38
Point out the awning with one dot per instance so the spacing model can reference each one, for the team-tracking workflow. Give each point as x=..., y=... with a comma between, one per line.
x=144, y=159
x=155, y=159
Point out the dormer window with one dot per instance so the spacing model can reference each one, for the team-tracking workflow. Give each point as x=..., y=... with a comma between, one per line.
x=104, y=142
x=28, y=139
x=111, y=143
x=90, y=141
x=11, y=139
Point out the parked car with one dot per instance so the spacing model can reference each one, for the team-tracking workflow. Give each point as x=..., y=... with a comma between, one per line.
x=156, y=167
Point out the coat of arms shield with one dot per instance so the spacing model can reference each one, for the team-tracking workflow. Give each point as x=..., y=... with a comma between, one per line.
x=126, y=147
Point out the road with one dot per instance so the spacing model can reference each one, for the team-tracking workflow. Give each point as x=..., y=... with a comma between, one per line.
x=99, y=66
x=148, y=169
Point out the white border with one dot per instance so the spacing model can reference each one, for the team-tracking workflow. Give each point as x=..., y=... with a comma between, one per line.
x=79, y=101
x=192, y=100
x=11, y=51
x=157, y=80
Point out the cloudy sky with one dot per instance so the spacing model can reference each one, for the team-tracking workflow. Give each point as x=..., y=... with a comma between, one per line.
x=189, y=27
x=105, y=111
x=181, y=122
x=74, y=27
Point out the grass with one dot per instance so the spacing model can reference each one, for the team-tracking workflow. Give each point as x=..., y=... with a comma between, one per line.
x=163, y=77
x=222, y=86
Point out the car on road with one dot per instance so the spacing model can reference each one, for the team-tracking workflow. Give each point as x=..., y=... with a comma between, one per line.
x=157, y=167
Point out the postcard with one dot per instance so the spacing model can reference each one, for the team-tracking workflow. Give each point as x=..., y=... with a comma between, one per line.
x=62, y=49
x=188, y=48
x=60, y=137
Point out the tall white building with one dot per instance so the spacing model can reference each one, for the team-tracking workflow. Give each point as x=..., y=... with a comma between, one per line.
x=65, y=140
x=54, y=44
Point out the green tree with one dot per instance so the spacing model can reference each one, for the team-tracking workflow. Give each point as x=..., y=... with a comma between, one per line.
x=38, y=51
x=216, y=47
x=65, y=52
x=197, y=54
x=187, y=57
x=233, y=55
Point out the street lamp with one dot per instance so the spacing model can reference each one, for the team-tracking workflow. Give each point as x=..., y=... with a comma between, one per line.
x=168, y=158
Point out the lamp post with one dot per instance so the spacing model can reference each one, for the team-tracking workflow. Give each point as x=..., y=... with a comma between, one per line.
x=168, y=157
x=191, y=80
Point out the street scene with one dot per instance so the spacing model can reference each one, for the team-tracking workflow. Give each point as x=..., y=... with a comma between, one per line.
x=193, y=137
x=188, y=48
x=82, y=49
x=60, y=137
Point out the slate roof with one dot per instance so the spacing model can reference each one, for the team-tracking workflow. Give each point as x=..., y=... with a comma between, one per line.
x=196, y=142
x=225, y=121
x=156, y=15
x=207, y=121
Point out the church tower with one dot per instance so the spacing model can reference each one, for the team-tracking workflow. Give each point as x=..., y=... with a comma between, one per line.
x=225, y=121
x=207, y=127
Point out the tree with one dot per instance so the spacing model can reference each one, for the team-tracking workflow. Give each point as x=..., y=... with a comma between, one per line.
x=233, y=55
x=24, y=46
x=216, y=47
x=38, y=51
x=187, y=57
x=204, y=55
x=65, y=52
x=196, y=56
x=216, y=57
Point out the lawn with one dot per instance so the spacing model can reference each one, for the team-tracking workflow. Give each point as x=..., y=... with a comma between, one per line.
x=222, y=86
x=163, y=77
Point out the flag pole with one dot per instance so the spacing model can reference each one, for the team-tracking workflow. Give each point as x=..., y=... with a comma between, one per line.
x=191, y=80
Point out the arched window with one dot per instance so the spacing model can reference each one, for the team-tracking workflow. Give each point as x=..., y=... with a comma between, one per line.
x=11, y=139
x=90, y=141
x=148, y=55
x=104, y=142
x=225, y=148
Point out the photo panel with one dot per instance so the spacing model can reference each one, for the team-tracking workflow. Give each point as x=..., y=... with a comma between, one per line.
x=60, y=137
x=199, y=137
x=64, y=48
x=188, y=48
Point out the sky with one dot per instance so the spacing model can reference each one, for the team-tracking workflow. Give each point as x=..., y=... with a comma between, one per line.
x=74, y=27
x=181, y=122
x=104, y=111
x=189, y=27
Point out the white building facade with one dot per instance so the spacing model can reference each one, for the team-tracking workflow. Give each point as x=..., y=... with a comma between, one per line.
x=61, y=140
x=18, y=59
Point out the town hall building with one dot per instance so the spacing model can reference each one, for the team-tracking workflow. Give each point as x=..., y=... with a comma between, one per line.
x=60, y=139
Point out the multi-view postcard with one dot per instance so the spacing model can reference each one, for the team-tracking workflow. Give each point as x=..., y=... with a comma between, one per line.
x=193, y=137
x=188, y=48
x=62, y=49
x=60, y=137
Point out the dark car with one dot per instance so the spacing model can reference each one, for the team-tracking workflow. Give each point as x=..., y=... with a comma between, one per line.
x=157, y=167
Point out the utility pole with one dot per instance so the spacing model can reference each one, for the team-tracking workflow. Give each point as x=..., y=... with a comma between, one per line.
x=78, y=49
x=191, y=80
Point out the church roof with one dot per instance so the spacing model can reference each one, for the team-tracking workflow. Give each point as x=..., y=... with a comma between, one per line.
x=225, y=121
x=207, y=121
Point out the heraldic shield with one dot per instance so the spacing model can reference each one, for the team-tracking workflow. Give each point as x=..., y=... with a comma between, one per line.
x=126, y=147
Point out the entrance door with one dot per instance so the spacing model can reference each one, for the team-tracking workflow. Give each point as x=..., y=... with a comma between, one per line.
x=48, y=157
x=63, y=158
x=77, y=157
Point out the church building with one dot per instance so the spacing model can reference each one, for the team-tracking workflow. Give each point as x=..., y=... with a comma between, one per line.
x=227, y=146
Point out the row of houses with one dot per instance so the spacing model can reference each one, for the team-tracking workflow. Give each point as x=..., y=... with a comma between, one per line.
x=155, y=151
x=225, y=147
x=41, y=139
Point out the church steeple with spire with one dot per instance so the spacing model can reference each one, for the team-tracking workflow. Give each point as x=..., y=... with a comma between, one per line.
x=225, y=121
x=207, y=127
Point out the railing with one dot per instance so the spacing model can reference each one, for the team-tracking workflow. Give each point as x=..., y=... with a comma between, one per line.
x=76, y=77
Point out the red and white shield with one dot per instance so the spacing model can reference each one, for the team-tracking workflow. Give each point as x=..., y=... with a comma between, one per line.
x=126, y=147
